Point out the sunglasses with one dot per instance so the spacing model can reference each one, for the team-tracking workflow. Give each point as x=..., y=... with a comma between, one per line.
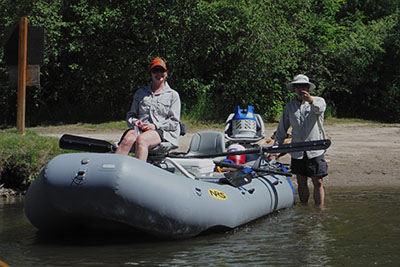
x=157, y=70
x=301, y=85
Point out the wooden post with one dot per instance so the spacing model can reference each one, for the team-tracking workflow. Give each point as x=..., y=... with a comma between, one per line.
x=21, y=87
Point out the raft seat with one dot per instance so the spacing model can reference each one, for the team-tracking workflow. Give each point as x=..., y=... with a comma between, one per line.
x=206, y=142
x=160, y=150
x=164, y=147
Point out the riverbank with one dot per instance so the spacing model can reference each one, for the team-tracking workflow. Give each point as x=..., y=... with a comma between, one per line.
x=22, y=158
x=361, y=154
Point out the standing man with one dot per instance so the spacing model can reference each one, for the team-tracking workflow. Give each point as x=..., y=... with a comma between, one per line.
x=154, y=116
x=306, y=116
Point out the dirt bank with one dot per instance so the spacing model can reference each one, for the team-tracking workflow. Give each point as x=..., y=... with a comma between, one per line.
x=361, y=154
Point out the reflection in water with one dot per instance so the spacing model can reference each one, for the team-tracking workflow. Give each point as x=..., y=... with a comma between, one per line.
x=310, y=235
x=358, y=227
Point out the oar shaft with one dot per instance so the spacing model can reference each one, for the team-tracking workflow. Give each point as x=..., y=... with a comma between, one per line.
x=222, y=154
x=285, y=148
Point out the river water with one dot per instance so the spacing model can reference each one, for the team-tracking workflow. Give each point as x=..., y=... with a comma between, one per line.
x=358, y=227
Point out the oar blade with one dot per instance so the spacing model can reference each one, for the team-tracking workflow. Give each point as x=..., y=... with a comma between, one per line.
x=299, y=146
x=87, y=144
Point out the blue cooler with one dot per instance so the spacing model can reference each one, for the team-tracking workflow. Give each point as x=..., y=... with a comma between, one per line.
x=244, y=123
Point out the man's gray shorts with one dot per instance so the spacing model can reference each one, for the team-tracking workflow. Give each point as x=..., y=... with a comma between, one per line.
x=315, y=167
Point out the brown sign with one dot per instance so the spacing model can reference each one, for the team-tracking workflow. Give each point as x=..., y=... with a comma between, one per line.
x=35, y=45
x=32, y=75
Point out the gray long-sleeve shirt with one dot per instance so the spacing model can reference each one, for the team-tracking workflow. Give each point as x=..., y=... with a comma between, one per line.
x=162, y=109
x=303, y=117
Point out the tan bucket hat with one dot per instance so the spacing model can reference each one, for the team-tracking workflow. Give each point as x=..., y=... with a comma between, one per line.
x=301, y=78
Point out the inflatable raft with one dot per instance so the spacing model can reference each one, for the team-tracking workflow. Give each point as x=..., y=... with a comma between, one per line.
x=110, y=191
x=172, y=195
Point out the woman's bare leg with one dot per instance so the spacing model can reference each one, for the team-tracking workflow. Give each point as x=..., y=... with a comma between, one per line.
x=127, y=142
x=145, y=141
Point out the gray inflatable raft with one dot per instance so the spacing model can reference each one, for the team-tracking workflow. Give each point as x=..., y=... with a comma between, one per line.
x=110, y=191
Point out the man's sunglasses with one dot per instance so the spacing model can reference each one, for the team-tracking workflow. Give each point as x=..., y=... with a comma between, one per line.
x=301, y=85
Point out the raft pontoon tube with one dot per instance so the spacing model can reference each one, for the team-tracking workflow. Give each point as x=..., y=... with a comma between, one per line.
x=110, y=191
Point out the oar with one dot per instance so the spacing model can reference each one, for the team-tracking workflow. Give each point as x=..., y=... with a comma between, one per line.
x=80, y=143
x=285, y=148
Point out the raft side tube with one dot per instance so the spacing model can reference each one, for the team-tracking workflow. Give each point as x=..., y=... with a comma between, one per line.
x=86, y=186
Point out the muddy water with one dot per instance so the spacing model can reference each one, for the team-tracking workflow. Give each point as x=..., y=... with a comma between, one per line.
x=359, y=227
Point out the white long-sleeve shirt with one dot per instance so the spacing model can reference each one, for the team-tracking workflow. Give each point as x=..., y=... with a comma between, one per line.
x=162, y=109
x=302, y=116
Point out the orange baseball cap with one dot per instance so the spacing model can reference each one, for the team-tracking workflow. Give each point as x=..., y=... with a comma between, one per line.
x=157, y=62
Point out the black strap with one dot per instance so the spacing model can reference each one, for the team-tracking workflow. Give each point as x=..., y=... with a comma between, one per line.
x=182, y=125
x=237, y=178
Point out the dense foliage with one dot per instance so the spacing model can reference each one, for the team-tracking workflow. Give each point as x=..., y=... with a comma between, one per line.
x=220, y=54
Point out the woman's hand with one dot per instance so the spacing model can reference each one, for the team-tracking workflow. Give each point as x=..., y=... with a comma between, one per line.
x=138, y=123
x=148, y=127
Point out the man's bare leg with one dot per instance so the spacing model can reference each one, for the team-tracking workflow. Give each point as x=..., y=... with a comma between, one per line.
x=319, y=192
x=304, y=192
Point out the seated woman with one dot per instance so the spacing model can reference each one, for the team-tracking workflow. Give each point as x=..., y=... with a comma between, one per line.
x=154, y=116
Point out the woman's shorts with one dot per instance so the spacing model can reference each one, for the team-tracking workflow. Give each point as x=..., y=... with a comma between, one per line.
x=315, y=167
x=158, y=131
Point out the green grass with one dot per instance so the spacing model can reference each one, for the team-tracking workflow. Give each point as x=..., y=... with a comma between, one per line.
x=87, y=127
x=121, y=125
x=29, y=152
x=192, y=125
